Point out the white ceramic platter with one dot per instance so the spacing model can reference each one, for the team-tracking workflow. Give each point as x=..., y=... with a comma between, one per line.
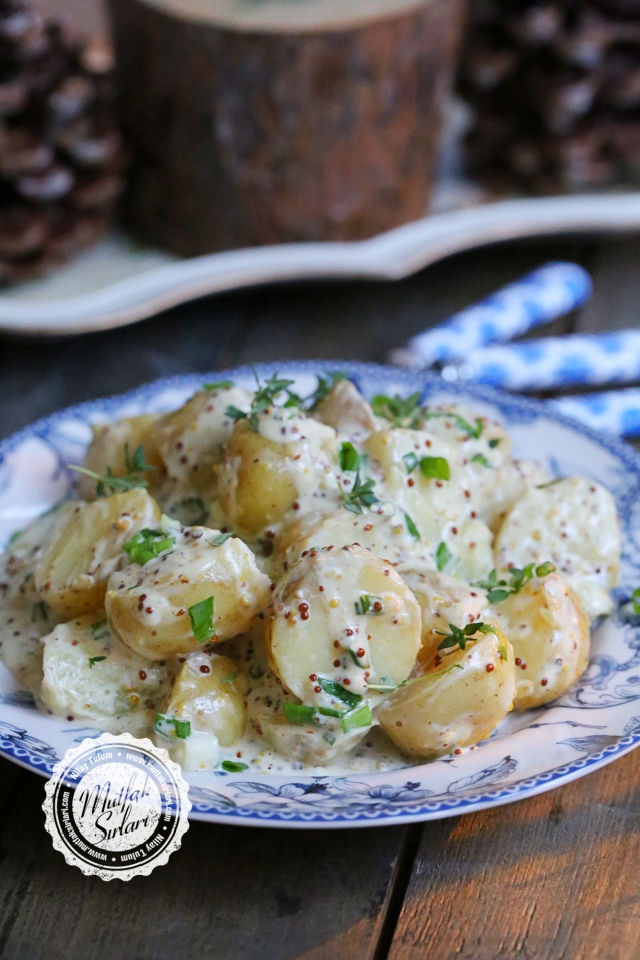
x=117, y=283
x=595, y=722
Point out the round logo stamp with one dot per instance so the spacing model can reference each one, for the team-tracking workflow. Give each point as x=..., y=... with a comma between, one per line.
x=116, y=806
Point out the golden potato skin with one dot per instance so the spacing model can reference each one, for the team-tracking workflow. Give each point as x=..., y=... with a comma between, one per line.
x=148, y=606
x=440, y=712
x=107, y=449
x=443, y=600
x=209, y=692
x=549, y=632
x=311, y=629
x=85, y=547
x=257, y=483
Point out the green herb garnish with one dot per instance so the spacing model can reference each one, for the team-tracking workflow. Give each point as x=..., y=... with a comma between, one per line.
x=368, y=603
x=460, y=635
x=634, y=601
x=463, y=424
x=93, y=660
x=324, y=387
x=39, y=611
x=549, y=483
x=230, y=679
x=349, y=457
x=410, y=461
x=232, y=767
x=172, y=727
x=493, y=443
x=14, y=536
x=444, y=558
x=219, y=385
x=328, y=712
x=435, y=468
x=100, y=630
x=201, y=617
x=357, y=718
x=383, y=685
x=361, y=495
x=398, y=411
x=109, y=483
x=147, y=545
x=336, y=690
x=220, y=539
x=329, y=737
x=499, y=590
x=263, y=399
x=480, y=458
x=299, y=713
x=411, y=527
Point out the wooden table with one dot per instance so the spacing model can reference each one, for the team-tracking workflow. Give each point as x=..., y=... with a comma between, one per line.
x=556, y=877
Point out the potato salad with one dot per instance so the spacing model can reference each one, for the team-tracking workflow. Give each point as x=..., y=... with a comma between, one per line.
x=269, y=582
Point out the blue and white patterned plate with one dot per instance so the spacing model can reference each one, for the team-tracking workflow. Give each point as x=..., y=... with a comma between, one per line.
x=595, y=722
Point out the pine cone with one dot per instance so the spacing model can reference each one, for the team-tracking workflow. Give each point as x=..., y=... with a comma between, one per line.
x=555, y=90
x=61, y=157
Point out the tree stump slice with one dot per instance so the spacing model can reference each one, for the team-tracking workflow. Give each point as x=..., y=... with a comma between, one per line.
x=244, y=134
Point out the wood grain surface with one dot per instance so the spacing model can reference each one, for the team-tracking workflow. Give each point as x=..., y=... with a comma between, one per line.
x=552, y=878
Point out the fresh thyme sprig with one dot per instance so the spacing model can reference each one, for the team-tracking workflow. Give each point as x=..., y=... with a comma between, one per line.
x=463, y=424
x=401, y=412
x=109, y=483
x=264, y=398
x=460, y=635
x=499, y=590
x=361, y=495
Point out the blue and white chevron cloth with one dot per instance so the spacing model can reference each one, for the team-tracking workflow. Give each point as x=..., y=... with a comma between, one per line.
x=616, y=411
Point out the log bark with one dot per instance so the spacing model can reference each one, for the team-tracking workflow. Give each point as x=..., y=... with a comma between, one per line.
x=243, y=135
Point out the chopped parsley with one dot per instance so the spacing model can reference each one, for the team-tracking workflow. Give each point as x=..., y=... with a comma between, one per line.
x=231, y=766
x=349, y=457
x=493, y=443
x=147, y=545
x=463, y=424
x=220, y=539
x=219, y=385
x=445, y=560
x=109, y=483
x=361, y=495
x=263, y=399
x=361, y=717
x=201, y=617
x=460, y=635
x=411, y=527
x=368, y=603
x=93, y=660
x=172, y=727
x=499, y=590
x=480, y=458
x=401, y=412
x=435, y=468
x=338, y=692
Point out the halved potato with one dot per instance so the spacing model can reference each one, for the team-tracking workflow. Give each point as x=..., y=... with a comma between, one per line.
x=288, y=461
x=450, y=422
x=209, y=692
x=456, y=704
x=90, y=675
x=148, y=606
x=549, y=632
x=505, y=486
x=342, y=617
x=346, y=410
x=574, y=524
x=443, y=600
x=85, y=547
x=109, y=446
x=307, y=743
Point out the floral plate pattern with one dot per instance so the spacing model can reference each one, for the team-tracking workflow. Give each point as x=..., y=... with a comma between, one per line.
x=592, y=724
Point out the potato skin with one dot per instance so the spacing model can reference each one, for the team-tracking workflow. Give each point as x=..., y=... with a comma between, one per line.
x=211, y=706
x=310, y=630
x=147, y=606
x=436, y=714
x=107, y=449
x=346, y=410
x=85, y=547
x=306, y=743
x=549, y=632
x=119, y=691
x=443, y=600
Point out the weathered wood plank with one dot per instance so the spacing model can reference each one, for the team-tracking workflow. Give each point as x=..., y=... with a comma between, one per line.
x=230, y=893
x=551, y=877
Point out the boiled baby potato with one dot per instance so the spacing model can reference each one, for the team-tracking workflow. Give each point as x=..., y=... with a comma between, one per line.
x=574, y=524
x=289, y=460
x=470, y=432
x=443, y=600
x=90, y=675
x=341, y=619
x=549, y=632
x=508, y=484
x=113, y=443
x=203, y=588
x=86, y=546
x=24, y=617
x=209, y=693
x=192, y=438
x=346, y=410
x=456, y=704
x=314, y=744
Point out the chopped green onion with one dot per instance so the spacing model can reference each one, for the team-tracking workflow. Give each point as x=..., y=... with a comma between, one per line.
x=444, y=558
x=336, y=690
x=100, y=630
x=435, y=468
x=201, y=617
x=368, y=603
x=411, y=527
x=359, y=661
x=410, y=461
x=172, y=727
x=232, y=767
x=219, y=385
x=220, y=539
x=349, y=457
x=299, y=713
x=480, y=458
x=357, y=718
x=147, y=545
x=398, y=411
x=383, y=685
x=93, y=660
x=545, y=569
x=328, y=712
